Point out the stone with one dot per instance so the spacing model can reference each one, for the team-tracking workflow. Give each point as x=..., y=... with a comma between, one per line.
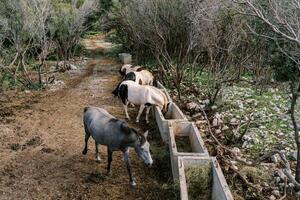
x=73, y=67
x=197, y=115
x=275, y=158
x=198, y=122
x=234, y=121
x=236, y=151
x=276, y=193
x=291, y=185
x=215, y=123
x=206, y=101
x=225, y=128
x=214, y=107
x=192, y=106
x=218, y=131
x=125, y=58
x=277, y=180
x=272, y=197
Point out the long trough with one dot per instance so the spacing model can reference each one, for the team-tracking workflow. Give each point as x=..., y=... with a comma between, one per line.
x=187, y=150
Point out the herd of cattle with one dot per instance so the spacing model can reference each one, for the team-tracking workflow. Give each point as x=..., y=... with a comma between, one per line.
x=135, y=88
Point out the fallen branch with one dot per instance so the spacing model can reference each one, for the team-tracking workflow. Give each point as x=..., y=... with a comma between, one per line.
x=247, y=127
x=285, y=186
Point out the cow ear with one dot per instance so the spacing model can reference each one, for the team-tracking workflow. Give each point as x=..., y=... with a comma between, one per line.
x=146, y=134
x=125, y=128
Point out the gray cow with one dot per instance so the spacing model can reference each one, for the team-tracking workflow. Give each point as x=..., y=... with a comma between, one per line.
x=116, y=135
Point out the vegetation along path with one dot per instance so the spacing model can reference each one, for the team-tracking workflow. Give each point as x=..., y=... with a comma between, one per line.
x=41, y=136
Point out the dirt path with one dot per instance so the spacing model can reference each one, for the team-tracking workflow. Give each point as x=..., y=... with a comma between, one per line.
x=41, y=139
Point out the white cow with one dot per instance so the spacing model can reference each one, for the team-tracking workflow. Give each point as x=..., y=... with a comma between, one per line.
x=143, y=95
x=127, y=68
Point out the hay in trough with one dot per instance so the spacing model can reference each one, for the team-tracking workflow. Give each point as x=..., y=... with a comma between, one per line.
x=183, y=144
x=199, y=182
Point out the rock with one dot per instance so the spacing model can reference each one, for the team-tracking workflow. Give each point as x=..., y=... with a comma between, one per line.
x=206, y=101
x=27, y=91
x=275, y=158
x=225, y=128
x=291, y=185
x=192, y=106
x=218, y=131
x=265, y=184
x=73, y=67
x=277, y=180
x=197, y=115
x=234, y=121
x=276, y=193
x=272, y=197
x=214, y=107
x=215, y=123
x=198, y=122
x=237, y=152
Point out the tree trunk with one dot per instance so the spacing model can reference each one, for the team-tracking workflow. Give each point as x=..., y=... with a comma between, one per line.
x=295, y=95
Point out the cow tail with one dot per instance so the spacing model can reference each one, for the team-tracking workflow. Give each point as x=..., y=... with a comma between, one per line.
x=123, y=92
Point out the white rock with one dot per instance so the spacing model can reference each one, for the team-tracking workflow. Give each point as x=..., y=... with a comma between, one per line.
x=197, y=115
x=218, y=131
x=214, y=107
x=206, y=101
x=276, y=193
x=215, y=123
x=198, y=122
x=275, y=158
x=291, y=185
x=225, y=128
x=272, y=197
x=236, y=151
x=73, y=67
x=277, y=180
x=193, y=106
x=234, y=121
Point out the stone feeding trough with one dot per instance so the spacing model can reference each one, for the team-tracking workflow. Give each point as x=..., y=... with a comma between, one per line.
x=174, y=114
x=202, y=178
x=199, y=175
x=184, y=140
x=125, y=58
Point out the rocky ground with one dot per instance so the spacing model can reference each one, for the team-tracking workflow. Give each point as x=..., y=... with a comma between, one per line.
x=250, y=124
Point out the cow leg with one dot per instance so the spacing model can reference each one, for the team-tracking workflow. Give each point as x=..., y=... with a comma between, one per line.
x=147, y=114
x=140, y=113
x=87, y=136
x=127, y=162
x=109, y=159
x=98, y=159
x=126, y=110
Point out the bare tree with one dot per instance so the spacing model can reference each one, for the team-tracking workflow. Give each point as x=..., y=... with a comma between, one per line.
x=217, y=33
x=283, y=19
x=37, y=28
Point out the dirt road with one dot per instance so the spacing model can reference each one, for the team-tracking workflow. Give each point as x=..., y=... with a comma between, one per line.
x=41, y=140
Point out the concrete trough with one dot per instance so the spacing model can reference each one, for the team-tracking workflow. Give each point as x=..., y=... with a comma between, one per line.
x=125, y=58
x=184, y=140
x=174, y=114
x=219, y=188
